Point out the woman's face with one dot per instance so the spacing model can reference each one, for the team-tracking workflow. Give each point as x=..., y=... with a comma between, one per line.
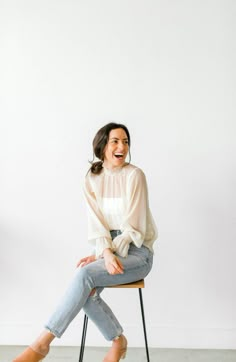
x=116, y=149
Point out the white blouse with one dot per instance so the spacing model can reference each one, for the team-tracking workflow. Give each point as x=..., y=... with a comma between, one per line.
x=118, y=200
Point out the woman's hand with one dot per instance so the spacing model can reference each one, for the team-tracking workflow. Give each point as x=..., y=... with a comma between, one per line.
x=112, y=263
x=87, y=260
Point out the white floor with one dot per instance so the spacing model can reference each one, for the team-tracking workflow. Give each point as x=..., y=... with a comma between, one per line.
x=70, y=354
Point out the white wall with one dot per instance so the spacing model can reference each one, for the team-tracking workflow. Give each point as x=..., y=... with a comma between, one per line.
x=167, y=70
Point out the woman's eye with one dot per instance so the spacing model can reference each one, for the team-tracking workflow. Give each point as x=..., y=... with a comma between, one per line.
x=116, y=141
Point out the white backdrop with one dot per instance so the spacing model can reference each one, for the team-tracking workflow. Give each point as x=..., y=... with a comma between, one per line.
x=167, y=70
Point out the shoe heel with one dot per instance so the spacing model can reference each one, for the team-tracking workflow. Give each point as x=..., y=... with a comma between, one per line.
x=123, y=355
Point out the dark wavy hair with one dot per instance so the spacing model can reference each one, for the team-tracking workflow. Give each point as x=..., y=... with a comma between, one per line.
x=100, y=141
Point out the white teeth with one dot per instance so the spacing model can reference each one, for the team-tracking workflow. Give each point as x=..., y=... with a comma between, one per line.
x=119, y=155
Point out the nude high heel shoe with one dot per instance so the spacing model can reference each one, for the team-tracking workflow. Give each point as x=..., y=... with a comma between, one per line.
x=29, y=355
x=117, y=351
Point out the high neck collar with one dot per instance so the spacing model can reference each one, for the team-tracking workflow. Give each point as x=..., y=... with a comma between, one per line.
x=115, y=170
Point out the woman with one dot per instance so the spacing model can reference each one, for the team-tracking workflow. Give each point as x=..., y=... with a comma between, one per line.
x=122, y=232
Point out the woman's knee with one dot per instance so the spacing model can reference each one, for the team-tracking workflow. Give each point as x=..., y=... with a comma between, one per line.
x=84, y=276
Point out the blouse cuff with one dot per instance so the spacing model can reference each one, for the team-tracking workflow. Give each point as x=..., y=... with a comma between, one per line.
x=102, y=244
x=121, y=244
x=135, y=236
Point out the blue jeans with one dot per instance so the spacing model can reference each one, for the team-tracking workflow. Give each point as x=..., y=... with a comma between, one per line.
x=94, y=275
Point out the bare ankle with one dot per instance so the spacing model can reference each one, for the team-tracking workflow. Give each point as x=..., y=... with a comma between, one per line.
x=42, y=343
x=40, y=348
x=119, y=340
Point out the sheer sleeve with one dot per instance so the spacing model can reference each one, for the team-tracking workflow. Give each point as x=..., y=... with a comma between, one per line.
x=98, y=230
x=136, y=220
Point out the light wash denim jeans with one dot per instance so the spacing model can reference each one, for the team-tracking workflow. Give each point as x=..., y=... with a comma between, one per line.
x=94, y=275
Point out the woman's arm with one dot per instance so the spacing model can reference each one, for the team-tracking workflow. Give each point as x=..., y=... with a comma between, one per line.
x=98, y=230
x=135, y=221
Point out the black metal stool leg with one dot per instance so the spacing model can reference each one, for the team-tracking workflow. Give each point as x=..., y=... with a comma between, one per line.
x=144, y=325
x=81, y=355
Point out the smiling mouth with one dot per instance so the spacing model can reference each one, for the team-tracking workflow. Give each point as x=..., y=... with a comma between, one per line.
x=119, y=155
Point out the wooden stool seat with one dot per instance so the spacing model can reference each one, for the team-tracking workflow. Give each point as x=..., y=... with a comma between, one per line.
x=136, y=285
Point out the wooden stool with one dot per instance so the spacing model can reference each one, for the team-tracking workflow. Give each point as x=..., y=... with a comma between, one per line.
x=139, y=284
